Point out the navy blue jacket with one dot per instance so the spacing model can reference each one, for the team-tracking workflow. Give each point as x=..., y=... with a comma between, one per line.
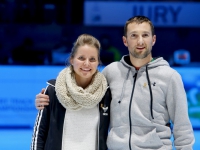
x=48, y=127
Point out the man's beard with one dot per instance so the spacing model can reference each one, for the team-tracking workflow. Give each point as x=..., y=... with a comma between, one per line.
x=139, y=55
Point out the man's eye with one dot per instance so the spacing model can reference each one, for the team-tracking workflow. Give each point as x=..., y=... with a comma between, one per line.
x=133, y=35
x=145, y=35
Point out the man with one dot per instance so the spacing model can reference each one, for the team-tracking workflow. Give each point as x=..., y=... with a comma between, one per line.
x=147, y=95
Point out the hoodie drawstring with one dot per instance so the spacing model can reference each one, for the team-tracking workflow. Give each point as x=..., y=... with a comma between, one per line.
x=122, y=93
x=150, y=90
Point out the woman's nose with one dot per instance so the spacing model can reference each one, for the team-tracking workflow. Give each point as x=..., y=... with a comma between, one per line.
x=86, y=62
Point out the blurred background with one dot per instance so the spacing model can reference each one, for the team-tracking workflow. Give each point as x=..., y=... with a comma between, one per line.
x=36, y=37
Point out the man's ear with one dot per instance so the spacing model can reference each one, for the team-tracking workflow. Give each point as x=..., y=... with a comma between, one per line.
x=154, y=40
x=124, y=41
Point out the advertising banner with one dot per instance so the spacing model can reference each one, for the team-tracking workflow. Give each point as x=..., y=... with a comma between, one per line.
x=20, y=84
x=162, y=14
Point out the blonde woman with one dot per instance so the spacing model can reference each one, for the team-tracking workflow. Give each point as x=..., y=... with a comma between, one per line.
x=77, y=117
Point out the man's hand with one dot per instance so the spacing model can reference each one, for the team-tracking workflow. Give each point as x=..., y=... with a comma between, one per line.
x=41, y=100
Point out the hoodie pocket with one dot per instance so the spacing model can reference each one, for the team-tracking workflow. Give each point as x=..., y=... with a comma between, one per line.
x=142, y=137
x=145, y=137
x=118, y=138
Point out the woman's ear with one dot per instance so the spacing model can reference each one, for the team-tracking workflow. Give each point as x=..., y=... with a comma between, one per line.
x=71, y=61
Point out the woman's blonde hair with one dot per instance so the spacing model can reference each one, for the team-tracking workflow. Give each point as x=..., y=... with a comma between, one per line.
x=85, y=39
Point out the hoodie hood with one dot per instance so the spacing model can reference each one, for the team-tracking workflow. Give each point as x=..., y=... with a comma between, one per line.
x=158, y=61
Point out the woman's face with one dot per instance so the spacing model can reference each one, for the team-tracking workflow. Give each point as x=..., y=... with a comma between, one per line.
x=85, y=62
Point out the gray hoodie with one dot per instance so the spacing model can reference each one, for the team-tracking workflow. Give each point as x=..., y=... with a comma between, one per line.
x=141, y=112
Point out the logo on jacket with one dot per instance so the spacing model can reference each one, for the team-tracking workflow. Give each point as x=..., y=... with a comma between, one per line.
x=145, y=84
x=104, y=110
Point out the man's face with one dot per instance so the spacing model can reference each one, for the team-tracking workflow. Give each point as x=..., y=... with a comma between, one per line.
x=139, y=40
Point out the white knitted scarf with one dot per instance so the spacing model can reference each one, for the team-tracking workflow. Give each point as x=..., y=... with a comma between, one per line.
x=74, y=97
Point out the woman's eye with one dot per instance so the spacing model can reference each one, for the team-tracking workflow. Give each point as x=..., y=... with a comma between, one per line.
x=92, y=59
x=81, y=58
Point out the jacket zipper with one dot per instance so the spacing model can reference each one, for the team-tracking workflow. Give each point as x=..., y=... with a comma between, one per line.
x=130, y=121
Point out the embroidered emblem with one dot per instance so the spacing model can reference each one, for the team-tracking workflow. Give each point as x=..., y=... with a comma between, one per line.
x=104, y=110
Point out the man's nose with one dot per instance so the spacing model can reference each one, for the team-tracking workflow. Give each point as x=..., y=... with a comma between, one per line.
x=140, y=40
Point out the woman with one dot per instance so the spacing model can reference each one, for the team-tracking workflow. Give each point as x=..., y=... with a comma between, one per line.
x=78, y=114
